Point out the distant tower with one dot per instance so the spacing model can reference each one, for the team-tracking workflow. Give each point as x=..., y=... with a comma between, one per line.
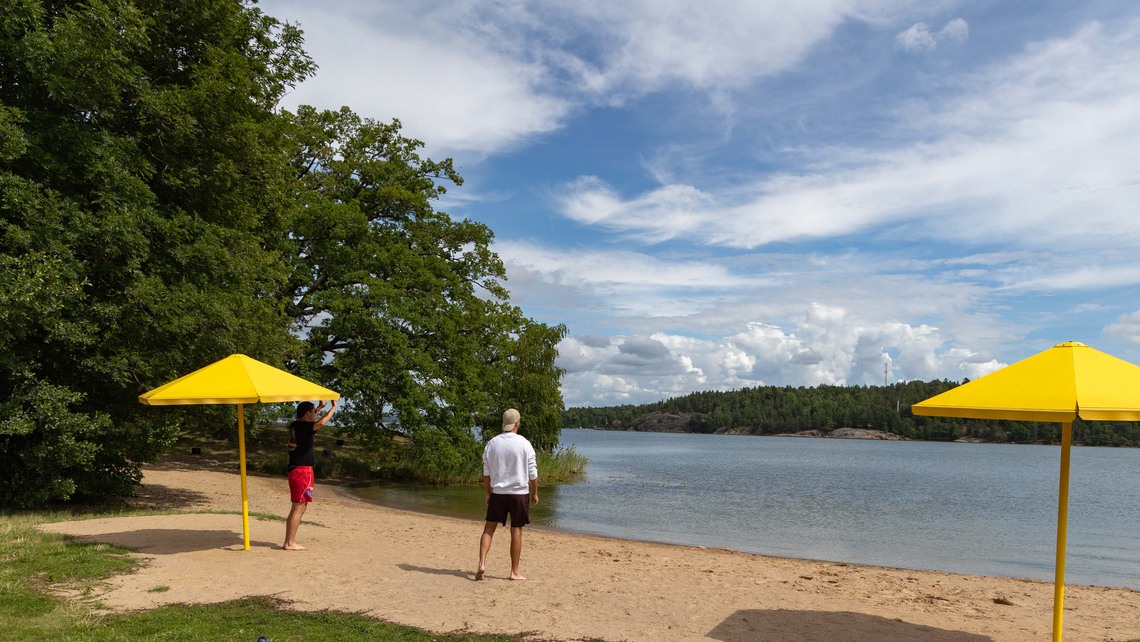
x=885, y=367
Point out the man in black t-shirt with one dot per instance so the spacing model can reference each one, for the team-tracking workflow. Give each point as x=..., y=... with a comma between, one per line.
x=301, y=459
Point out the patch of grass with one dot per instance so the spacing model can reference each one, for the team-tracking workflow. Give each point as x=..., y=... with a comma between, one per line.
x=250, y=618
x=36, y=568
x=49, y=588
x=563, y=465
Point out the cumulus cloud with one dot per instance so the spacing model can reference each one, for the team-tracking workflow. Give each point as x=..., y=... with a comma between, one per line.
x=826, y=348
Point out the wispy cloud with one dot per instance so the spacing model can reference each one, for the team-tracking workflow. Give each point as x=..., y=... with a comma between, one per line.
x=1029, y=152
x=1127, y=327
x=476, y=77
x=918, y=38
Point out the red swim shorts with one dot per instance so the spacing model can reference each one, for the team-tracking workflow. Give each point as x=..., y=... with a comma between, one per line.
x=301, y=484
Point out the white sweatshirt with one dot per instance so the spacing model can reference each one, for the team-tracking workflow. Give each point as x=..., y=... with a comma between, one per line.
x=508, y=459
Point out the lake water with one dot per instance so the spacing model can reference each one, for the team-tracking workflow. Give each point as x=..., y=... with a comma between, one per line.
x=964, y=508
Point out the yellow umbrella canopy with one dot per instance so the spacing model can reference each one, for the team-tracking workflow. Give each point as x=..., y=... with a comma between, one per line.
x=237, y=379
x=1067, y=381
x=1062, y=383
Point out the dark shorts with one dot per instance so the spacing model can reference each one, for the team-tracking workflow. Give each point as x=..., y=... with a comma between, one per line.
x=301, y=484
x=517, y=506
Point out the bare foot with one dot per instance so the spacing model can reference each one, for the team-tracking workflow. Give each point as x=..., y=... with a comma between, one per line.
x=479, y=575
x=292, y=547
x=516, y=576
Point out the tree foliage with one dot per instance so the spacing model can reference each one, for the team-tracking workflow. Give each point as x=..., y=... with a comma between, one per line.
x=139, y=156
x=159, y=212
x=770, y=410
x=402, y=307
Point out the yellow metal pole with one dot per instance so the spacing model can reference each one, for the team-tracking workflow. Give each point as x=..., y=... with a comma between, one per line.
x=1062, y=528
x=244, y=494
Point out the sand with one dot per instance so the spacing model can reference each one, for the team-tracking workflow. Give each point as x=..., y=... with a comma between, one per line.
x=418, y=570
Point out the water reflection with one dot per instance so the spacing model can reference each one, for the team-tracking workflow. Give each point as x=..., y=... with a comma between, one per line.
x=463, y=501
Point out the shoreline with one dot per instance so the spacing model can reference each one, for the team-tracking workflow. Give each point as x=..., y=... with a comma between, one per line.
x=855, y=434
x=368, y=558
x=343, y=491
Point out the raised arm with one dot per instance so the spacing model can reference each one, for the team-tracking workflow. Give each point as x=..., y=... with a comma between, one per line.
x=325, y=418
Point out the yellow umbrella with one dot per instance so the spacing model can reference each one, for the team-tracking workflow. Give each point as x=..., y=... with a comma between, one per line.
x=1062, y=383
x=237, y=379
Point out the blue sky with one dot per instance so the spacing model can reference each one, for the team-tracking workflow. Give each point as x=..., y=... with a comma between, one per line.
x=729, y=194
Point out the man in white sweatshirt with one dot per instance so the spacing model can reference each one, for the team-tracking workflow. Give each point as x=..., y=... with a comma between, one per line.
x=510, y=480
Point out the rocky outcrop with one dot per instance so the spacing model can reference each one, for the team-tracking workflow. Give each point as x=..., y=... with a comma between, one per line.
x=661, y=422
x=846, y=433
x=861, y=433
x=802, y=433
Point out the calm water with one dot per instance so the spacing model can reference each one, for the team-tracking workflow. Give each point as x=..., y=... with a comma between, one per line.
x=964, y=508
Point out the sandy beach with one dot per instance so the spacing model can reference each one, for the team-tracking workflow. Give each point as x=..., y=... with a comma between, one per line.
x=418, y=570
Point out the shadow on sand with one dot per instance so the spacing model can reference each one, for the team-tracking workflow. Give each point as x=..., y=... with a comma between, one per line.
x=470, y=575
x=170, y=541
x=754, y=625
x=159, y=497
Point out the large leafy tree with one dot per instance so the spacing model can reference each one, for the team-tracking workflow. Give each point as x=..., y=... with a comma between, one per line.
x=140, y=167
x=157, y=213
x=403, y=307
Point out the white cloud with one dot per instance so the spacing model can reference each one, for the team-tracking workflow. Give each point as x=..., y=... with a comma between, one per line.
x=721, y=44
x=957, y=30
x=826, y=348
x=479, y=77
x=1127, y=327
x=1084, y=277
x=916, y=38
x=618, y=268
x=1034, y=153
x=448, y=83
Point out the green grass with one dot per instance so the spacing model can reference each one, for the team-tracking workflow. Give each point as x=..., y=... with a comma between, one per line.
x=49, y=588
x=563, y=465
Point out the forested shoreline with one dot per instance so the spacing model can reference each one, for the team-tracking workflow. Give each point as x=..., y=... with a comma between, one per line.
x=772, y=410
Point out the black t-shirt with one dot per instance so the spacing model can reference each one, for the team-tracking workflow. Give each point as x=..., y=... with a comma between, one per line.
x=301, y=444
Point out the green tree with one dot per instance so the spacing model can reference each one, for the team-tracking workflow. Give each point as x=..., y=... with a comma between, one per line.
x=140, y=167
x=403, y=307
x=530, y=383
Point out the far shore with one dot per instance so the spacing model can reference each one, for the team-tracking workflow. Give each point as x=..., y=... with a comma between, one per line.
x=838, y=433
x=418, y=569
